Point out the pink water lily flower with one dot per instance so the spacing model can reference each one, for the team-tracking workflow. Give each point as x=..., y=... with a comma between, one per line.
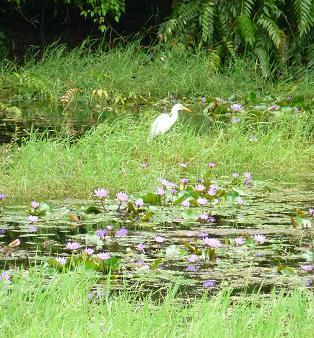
x=61, y=260
x=101, y=193
x=122, y=197
x=202, y=201
x=259, y=239
x=139, y=203
x=200, y=187
x=160, y=191
x=212, y=242
x=159, y=239
x=239, y=240
x=89, y=251
x=73, y=245
x=103, y=255
x=186, y=203
x=35, y=204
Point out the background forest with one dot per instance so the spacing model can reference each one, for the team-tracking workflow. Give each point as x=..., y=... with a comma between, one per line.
x=276, y=33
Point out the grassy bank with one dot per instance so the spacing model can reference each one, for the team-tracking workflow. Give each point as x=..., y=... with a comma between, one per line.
x=135, y=87
x=61, y=307
x=113, y=154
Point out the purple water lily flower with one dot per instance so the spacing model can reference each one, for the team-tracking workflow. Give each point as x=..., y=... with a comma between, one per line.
x=33, y=219
x=186, y=203
x=160, y=191
x=2, y=197
x=213, y=189
x=202, y=201
x=211, y=165
x=73, y=245
x=307, y=267
x=311, y=212
x=289, y=98
x=212, y=242
x=5, y=276
x=193, y=258
x=35, y=204
x=2, y=231
x=183, y=164
x=122, y=197
x=203, y=217
x=203, y=234
x=122, y=232
x=184, y=180
x=140, y=247
x=88, y=251
x=159, y=239
x=61, y=260
x=210, y=283
x=101, y=193
x=101, y=233
x=173, y=191
x=211, y=219
x=259, y=239
x=191, y=268
x=103, y=255
x=200, y=187
x=139, y=203
x=239, y=240
x=236, y=107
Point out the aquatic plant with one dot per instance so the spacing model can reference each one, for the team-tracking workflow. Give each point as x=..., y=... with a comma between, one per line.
x=73, y=246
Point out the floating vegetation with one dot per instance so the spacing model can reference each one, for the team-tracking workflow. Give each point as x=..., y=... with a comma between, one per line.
x=209, y=232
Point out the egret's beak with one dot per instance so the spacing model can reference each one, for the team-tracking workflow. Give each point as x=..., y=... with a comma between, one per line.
x=187, y=109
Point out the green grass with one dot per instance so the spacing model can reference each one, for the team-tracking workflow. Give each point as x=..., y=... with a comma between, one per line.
x=59, y=307
x=111, y=156
x=131, y=71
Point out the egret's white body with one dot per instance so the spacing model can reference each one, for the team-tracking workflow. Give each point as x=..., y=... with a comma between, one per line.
x=165, y=121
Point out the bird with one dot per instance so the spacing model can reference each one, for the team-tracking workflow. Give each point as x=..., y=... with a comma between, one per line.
x=165, y=121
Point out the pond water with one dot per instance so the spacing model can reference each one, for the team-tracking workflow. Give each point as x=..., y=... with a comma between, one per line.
x=280, y=259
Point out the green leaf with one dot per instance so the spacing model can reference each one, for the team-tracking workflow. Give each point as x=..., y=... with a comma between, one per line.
x=147, y=216
x=155, y=264
x=151, y=198
x=285, y=270
x=43, y=209
x=93, y=209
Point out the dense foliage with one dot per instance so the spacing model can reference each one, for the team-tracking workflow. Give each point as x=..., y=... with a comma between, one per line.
x=277, y=32
x=97, y=10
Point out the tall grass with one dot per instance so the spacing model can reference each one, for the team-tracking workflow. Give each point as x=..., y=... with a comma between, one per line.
x=60, y=307
x=111, y=156
x=134, y=70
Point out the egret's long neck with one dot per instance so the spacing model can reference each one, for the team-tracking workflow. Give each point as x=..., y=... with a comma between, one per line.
x=174, y=113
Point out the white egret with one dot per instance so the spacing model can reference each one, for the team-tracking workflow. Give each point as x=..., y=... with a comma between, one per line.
x=165, y=121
